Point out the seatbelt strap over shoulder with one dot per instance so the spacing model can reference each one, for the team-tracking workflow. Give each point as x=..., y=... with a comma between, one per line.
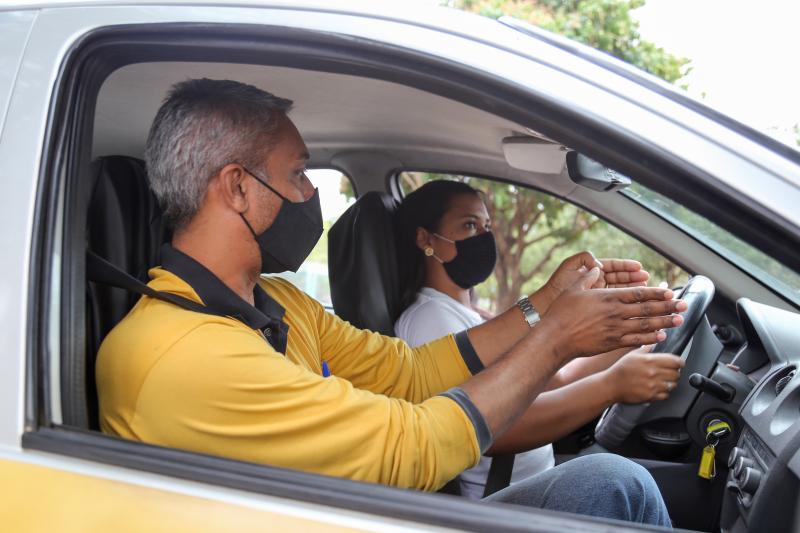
x=99, y=270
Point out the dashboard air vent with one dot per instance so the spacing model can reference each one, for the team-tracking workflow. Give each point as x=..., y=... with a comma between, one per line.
x=781, y=384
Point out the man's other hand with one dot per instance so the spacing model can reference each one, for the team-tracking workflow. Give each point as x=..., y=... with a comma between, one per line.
x=588, y=322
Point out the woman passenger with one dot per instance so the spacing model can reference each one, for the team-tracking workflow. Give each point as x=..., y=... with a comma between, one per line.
x=446, y=248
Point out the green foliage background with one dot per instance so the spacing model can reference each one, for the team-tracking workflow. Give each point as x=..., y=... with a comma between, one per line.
x=603, y=24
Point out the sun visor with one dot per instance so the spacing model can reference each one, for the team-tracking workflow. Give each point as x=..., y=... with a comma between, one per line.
x=533, y=155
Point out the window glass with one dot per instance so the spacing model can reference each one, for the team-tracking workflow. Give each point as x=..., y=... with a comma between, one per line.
x=538, y=231
x=336, y=194
x=770, y=271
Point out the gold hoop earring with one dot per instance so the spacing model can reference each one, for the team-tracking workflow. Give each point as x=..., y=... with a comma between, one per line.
x=428, y=251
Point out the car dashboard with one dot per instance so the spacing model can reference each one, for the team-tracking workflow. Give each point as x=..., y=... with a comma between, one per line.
x=763, y=480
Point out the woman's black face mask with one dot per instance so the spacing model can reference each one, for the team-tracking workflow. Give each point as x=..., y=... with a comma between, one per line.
x=293, y=234
x=474, y=262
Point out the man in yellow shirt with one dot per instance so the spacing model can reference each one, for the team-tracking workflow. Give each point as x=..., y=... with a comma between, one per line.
x=246, y=376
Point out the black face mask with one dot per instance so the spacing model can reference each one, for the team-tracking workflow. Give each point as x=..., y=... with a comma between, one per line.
x=474, y=262
x=293, y=234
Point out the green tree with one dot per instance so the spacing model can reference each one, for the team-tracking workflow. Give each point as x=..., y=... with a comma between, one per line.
x=603, y=24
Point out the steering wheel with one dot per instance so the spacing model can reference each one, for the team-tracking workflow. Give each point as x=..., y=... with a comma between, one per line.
x=619, y=420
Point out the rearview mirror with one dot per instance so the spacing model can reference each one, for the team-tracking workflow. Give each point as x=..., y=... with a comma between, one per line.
x=591, y=174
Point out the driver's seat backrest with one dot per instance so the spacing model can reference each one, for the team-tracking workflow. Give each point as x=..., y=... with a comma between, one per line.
x=125, y=226
x=362, y=264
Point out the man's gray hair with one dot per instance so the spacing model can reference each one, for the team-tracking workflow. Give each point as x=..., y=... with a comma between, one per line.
x=200, y=127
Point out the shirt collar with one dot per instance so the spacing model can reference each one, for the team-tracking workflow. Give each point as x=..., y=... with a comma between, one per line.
x=266, y=315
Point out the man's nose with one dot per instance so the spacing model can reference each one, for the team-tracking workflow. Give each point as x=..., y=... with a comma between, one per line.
x=308, y=189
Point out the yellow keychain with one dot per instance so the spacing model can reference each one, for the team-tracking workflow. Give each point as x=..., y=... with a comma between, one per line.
x=707, y=469
x=718, y=428
x=715, y=430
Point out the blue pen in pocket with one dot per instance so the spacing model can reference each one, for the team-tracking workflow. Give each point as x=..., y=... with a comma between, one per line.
x=326, y=372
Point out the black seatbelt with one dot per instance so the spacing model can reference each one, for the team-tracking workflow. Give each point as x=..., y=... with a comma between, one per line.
x=499, y=473
x=99, y=270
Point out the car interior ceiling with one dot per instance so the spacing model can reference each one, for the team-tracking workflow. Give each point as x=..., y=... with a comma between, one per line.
x=347, y=121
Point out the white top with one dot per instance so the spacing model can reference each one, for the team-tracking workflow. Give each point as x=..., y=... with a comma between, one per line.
x=433, y=315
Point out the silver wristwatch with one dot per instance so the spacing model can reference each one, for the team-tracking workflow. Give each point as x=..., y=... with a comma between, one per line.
x=528, y=311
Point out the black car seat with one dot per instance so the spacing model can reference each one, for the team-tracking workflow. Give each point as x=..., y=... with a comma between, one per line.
x=124, y=226
x=362, y=264
x=365, y=287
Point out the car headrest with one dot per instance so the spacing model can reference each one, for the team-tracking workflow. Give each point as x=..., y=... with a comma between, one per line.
x=125, y=226
x=362, y=264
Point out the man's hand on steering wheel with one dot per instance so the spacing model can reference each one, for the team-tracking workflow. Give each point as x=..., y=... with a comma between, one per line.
x=615, y=273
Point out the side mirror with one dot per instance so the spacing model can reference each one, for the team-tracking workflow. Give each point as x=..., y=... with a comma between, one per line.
x=591, y=174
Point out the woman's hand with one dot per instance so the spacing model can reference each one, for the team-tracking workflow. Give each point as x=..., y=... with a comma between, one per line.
x=615, y=273
x=640, y=376
x=623, y=273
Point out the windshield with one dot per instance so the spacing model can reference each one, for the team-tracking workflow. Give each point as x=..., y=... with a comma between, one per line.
x=763, y=267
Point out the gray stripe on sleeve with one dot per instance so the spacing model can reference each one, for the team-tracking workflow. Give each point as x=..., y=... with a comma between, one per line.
x=468, y=353
x=482, y=430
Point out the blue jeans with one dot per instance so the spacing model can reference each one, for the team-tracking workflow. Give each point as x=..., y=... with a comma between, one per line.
x=603, y=484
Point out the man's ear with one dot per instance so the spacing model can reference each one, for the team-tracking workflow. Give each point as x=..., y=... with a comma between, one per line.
x=423, y=239
x=233, y=187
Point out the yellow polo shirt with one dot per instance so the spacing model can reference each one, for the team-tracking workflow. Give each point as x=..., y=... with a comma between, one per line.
x=211, y=384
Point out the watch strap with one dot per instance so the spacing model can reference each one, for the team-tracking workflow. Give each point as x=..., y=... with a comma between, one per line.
x=529, y=312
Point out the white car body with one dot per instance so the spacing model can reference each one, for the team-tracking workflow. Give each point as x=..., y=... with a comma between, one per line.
x=36, y=39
